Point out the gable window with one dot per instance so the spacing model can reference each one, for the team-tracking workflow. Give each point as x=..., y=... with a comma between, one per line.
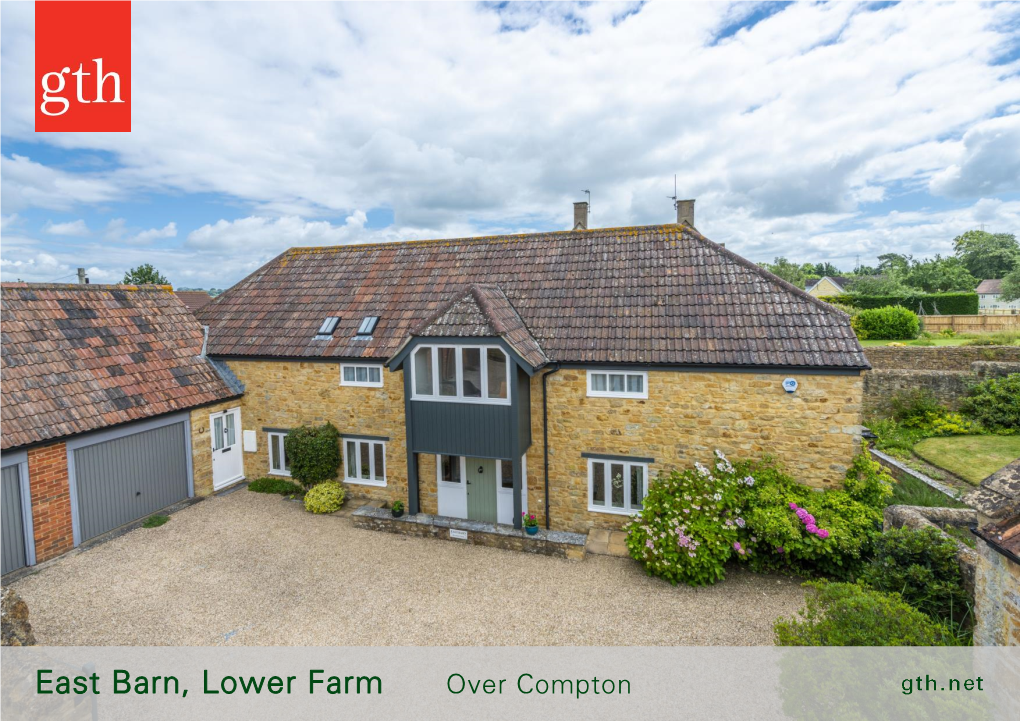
x=474, y=374
x=618, y=384
x=616, y=486
x=325, y=331
x=361, y=374
x=365, y=462
x=278, y=463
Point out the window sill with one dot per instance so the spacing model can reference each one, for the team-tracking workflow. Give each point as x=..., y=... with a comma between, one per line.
x=607, y=394
x=614, y=511
x=281, y=474
x=365, y=482
x=458, y=399
x=355, y=384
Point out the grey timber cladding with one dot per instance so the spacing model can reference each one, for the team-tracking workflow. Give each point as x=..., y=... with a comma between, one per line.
x=13, y=529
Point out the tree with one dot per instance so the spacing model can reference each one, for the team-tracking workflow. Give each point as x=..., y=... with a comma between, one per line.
x=789, y=271
x=145, y=275
x=888, y=284
x=894, y=263
x=987, y=255
x=939, y=275
x=1011, y=286
x=825, y=269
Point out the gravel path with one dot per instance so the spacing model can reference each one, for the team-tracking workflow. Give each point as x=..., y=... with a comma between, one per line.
x=253, y=570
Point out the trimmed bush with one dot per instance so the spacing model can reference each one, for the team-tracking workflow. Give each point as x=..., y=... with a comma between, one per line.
x=324, y=497
x=920, y=564
x=846, y=614
x=930, y=303
x=867, y=481
x=314, y=453
x=890, y=323
x=274, y=485
x=995, y=403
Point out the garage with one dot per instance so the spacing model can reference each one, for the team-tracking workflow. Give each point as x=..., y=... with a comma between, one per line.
x=122, y=476
x=17, y=545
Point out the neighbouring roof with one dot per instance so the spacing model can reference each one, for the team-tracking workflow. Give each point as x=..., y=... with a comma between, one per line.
x=839, y=281
x=193, y=299
x=651, y=295
x=484, y=311
x=992, y=286
x=998, y=496
x=77, y=358
x=1005, y=536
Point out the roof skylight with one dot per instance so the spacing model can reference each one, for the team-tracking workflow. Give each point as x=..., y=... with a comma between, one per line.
x=368, y=325
x=325, y=331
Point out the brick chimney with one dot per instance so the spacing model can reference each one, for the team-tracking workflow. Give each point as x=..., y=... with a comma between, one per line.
x=685, y=212
x=581, y=215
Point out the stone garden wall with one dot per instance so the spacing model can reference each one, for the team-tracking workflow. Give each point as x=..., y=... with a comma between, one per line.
x=947, y=372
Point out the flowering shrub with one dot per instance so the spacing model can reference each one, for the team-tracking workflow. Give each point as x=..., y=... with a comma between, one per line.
x=695, y=520
x=942, y=423
x=529, y=520
x=689, y=524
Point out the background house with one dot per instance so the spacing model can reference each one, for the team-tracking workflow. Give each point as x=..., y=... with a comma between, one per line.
x=829, y=285
x=99, y=384
x=989, y=298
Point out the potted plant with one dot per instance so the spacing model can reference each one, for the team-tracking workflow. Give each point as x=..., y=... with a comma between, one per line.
x=397, y=509
x=530, y=523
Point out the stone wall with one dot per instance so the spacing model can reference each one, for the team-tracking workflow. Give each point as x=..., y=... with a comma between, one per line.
x=901, y=370
x=15, y=629
x=286, y=394
x=997, y=614
x=51, y=501
x=815, y=431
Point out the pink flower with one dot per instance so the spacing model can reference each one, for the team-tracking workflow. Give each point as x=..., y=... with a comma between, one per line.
x=740, y=522
x=793, y=506
x=812, y=528
x=823, y=534
x=808, y=519
x=736, y=545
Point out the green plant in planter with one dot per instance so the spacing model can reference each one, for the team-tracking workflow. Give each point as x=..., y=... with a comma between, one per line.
x=397, y=509
x=529, y=520
x=325, y=497
x=314, y=453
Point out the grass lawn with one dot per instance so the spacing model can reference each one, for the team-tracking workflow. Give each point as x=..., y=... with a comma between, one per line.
x=908, y=491
x=972, y=458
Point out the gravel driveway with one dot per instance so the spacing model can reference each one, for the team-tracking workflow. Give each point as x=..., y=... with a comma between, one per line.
x=249, y=569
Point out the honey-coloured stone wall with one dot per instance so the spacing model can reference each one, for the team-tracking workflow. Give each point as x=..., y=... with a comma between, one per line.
x=815, y=431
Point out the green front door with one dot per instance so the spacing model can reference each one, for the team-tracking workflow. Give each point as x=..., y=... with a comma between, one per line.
x=481, y=489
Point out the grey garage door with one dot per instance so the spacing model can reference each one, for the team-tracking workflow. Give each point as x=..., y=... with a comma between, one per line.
x=13, y=524
x=124, y=479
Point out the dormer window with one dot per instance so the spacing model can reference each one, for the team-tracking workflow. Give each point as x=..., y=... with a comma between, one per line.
x=327, y=328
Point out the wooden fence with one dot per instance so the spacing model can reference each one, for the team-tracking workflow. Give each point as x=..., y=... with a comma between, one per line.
x=970, y=323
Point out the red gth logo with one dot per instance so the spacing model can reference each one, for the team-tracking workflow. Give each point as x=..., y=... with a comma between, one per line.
x=82, y=66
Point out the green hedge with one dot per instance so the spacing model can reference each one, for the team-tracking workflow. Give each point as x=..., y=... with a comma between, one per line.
x=890, y=323
x=944, y=303
x=314, y=453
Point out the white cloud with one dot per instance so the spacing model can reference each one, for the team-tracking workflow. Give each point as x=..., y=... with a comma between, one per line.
x=76, y=228
x=29, y=184
x=989, y=161
x=786, y=132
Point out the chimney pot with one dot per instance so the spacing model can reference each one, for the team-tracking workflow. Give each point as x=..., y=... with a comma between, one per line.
x=581, y=215
x=685, y=212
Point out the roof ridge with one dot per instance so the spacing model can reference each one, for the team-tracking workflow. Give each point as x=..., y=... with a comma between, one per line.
x=507, y=237
x=89, y=286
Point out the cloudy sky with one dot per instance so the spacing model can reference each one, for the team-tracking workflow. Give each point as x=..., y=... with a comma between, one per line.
x=814, y=131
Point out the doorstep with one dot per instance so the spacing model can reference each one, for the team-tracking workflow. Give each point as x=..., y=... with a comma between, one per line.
x=605, y=542
x=477, y=533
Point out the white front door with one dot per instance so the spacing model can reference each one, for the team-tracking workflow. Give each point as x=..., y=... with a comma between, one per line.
x=227, y=463
x=451, y=487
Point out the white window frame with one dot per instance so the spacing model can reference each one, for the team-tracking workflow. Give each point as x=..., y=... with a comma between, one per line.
x=617, y=394
x=277, y=470
x=371, y=461
x=355, y=366
x=460, y=397
x=608, y=508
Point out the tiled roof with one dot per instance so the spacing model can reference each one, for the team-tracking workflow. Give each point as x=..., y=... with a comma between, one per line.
x=77, y=358
x=193, y=299
x=992, y=286
x=652, y=295
x=484, y=311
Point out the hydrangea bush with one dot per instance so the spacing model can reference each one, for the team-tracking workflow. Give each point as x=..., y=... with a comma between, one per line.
x=689, y=525
x=694, y=521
